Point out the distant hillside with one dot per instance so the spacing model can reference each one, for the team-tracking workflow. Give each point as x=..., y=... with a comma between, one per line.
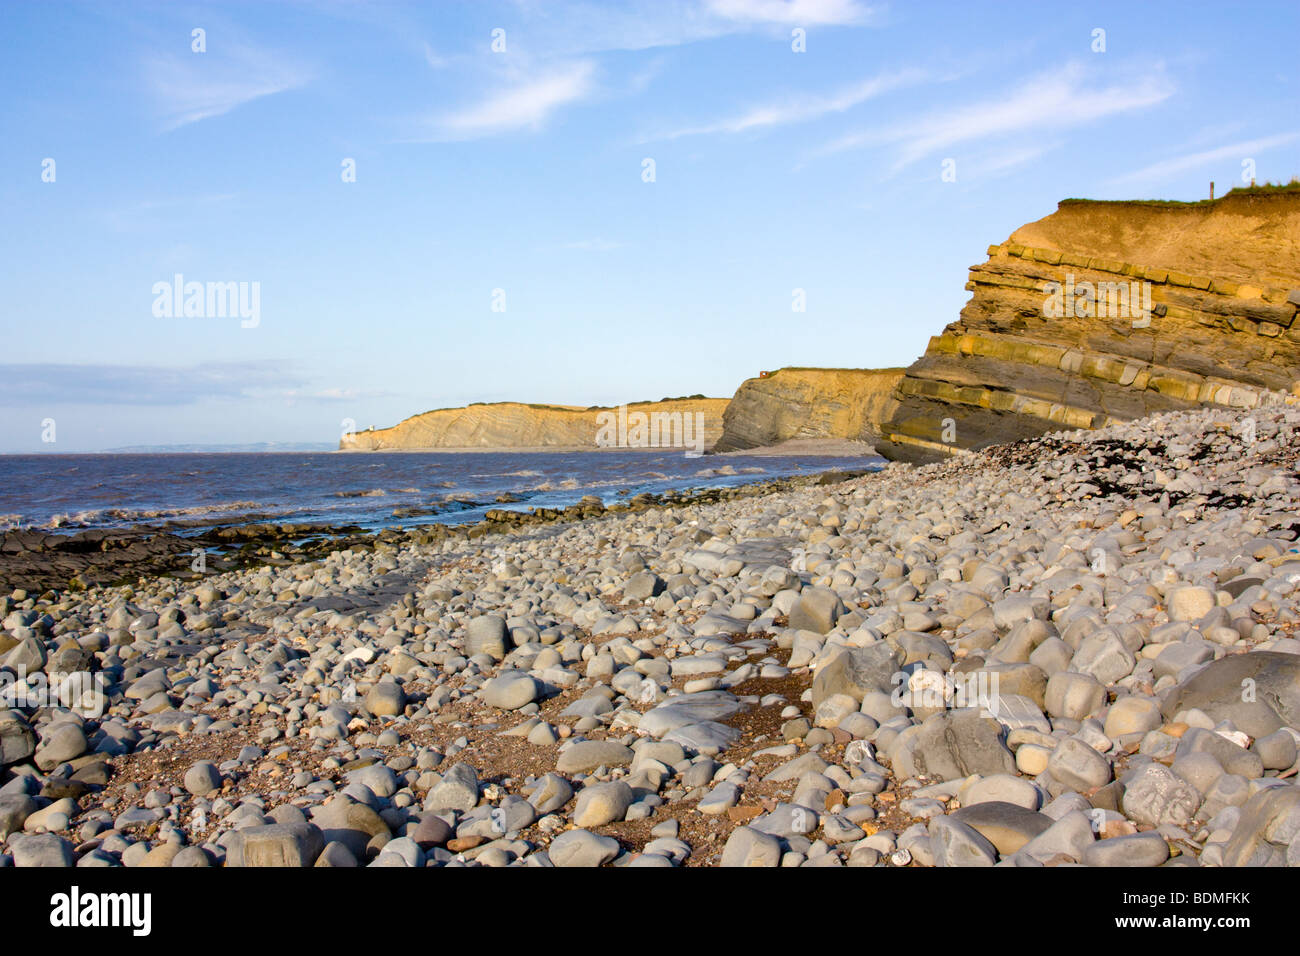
x=506, y=425
x=799, y=403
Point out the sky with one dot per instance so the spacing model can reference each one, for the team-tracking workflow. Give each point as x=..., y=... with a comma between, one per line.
x=430, y=204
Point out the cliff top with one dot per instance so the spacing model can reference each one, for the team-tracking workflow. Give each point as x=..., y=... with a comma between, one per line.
x=569, y=408
x=1265, y=190
x=827, y=371
x=1249, y=234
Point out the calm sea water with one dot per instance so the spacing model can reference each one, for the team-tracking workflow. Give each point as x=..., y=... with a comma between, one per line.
x=374, y=490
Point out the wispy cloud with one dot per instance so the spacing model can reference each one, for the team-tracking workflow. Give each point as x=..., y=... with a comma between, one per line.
x=792, y=12
x=648, y=24
x=1060, y=100
x=1005, y=161
x=805, y=109
x=49, y=384
x=189, y=87
x=1178, y=164
x=292, y=396
x=524, y=105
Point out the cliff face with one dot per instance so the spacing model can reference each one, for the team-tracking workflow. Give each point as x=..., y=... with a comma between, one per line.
x=504, y=425
x=808, y=403
x=1107, y=311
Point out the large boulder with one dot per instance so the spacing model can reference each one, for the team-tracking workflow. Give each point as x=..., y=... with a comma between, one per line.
x=954, y=744
x=1006, y=825
x=1156, y=795
x=355, y=825
x=816, y=610
x=1269, y=822
x=17, y=741
x=277, y=844
x=857, y=671
x=487, y=635
x=1259, y=692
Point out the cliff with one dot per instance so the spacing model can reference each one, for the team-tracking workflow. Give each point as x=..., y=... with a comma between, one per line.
x=1109, y=311
x=506, y=425
x=808, y=403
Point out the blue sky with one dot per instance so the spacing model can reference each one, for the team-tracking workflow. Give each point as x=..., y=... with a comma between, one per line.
x=522, y=169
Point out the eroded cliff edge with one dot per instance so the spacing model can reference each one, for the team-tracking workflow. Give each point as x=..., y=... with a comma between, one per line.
x=515, y=425
x=1223, y=282
x=794, y=403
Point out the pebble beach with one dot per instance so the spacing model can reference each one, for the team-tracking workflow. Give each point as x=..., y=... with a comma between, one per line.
x=766, y=679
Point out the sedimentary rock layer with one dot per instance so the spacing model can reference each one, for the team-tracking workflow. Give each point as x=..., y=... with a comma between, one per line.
x=670, y=423
x=1109, y=311
x=808, y=403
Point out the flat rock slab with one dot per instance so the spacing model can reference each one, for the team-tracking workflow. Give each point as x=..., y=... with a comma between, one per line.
x=762, y=553
x=590, y=754
x=711, y=624
x=707, y=737
x=694, y=665
x=708, y=705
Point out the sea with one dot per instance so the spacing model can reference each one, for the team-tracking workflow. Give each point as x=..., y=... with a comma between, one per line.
x=191, y=493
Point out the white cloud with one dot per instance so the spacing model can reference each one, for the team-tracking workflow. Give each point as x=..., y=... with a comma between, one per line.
x=793, y=12
x=1237, y=151
x=190, y=87
x=1059, y=100
x=808, y=108
x=647, y=24
x=522, y=106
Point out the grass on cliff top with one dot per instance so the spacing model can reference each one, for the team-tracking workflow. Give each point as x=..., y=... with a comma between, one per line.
x=679, y=398
x=811, y=368
x=1260, y=189
x=567, y=408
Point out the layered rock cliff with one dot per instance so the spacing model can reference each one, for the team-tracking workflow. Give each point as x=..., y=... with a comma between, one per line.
x=504, y=425
x=808, y=403
x=1108, y=311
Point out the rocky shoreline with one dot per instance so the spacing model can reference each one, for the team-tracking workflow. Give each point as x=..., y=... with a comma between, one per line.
x=37, y=560
x=774, y=675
